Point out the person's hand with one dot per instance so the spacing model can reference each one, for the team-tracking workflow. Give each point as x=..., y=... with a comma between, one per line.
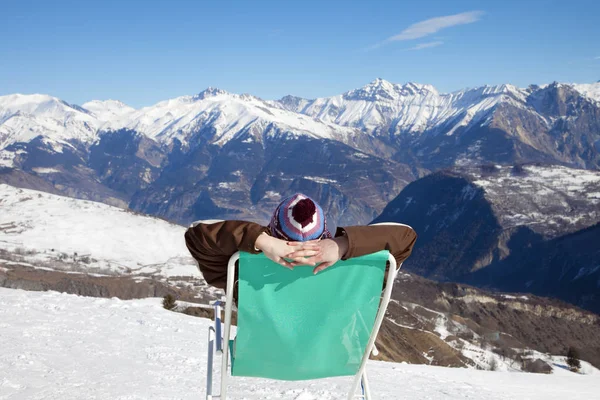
x=278, y=250
x=328, y=252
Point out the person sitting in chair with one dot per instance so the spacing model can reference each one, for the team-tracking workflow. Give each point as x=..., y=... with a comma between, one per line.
x=297, y=235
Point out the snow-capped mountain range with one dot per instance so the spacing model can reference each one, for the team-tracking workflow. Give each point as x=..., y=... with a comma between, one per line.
x=230, y=115
x=214, y=153
x=414, y=108
x=381, y=105
x=24, y=117
x=411, y=108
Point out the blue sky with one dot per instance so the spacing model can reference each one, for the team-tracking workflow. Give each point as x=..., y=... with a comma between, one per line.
x=142, y=52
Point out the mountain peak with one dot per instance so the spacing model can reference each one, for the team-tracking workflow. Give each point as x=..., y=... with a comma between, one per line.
x=39, y=105
x=379, y=89
x=382, y=90
x=23, y=100
x=209, y=92
x=380, y=84
x=412, y=88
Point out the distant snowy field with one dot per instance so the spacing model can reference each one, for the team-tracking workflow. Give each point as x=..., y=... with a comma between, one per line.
x=56, y=232
x=60, y=346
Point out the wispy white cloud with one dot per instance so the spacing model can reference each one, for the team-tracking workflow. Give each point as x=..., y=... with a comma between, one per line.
x=597, y=58
x=427, y=45
x=431, y=26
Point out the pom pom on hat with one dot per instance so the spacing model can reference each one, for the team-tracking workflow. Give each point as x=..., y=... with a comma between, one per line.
x=303, y=212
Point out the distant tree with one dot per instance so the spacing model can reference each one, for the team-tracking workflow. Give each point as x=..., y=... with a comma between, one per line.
x=501, y=351
x=85, y=259
x=573, y=359
x=488, y=169
x=493, y=364
x=518, y=169
x=169, y=302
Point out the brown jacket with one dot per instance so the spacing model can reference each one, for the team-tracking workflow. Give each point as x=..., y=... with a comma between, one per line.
x=213, y=244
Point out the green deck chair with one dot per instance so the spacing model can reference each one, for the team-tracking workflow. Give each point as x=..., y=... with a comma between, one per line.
x=293, y=325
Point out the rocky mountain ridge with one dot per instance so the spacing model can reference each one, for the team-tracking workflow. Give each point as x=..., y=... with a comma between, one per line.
x=492, y=123
x=520, y=228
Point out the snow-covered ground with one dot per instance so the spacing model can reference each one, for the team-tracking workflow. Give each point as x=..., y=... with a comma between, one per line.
x=62, y=233
x=60, y=346
x=591, y=90
x=551, y=200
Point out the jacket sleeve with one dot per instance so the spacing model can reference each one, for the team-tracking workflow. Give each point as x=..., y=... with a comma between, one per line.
x=213, y=244
x=398, y=239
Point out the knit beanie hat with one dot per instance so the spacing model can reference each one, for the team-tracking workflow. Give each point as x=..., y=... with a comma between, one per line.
x=298, y=218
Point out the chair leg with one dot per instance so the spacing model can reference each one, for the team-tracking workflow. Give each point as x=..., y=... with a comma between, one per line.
x=224, y=365
x=227, y=330
x=209, y=367
x=387, y=293
x=359, y=383
x=363, y=385
x=367, y=389
x=216, y=345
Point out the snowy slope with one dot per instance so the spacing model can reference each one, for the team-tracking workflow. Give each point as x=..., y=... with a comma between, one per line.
x=107, y=110
x=551, y=200
x=411, y=108
x=223, y=116
x=23, y=117
x=591, y=90
x=59, y=346
x=48, y=230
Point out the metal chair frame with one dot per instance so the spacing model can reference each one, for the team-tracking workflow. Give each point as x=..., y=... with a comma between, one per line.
x=220, y=344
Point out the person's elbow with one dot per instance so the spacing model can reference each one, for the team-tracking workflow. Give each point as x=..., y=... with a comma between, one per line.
x=412, y=235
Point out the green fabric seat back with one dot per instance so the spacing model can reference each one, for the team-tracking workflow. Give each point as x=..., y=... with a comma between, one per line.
x=293, y=325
